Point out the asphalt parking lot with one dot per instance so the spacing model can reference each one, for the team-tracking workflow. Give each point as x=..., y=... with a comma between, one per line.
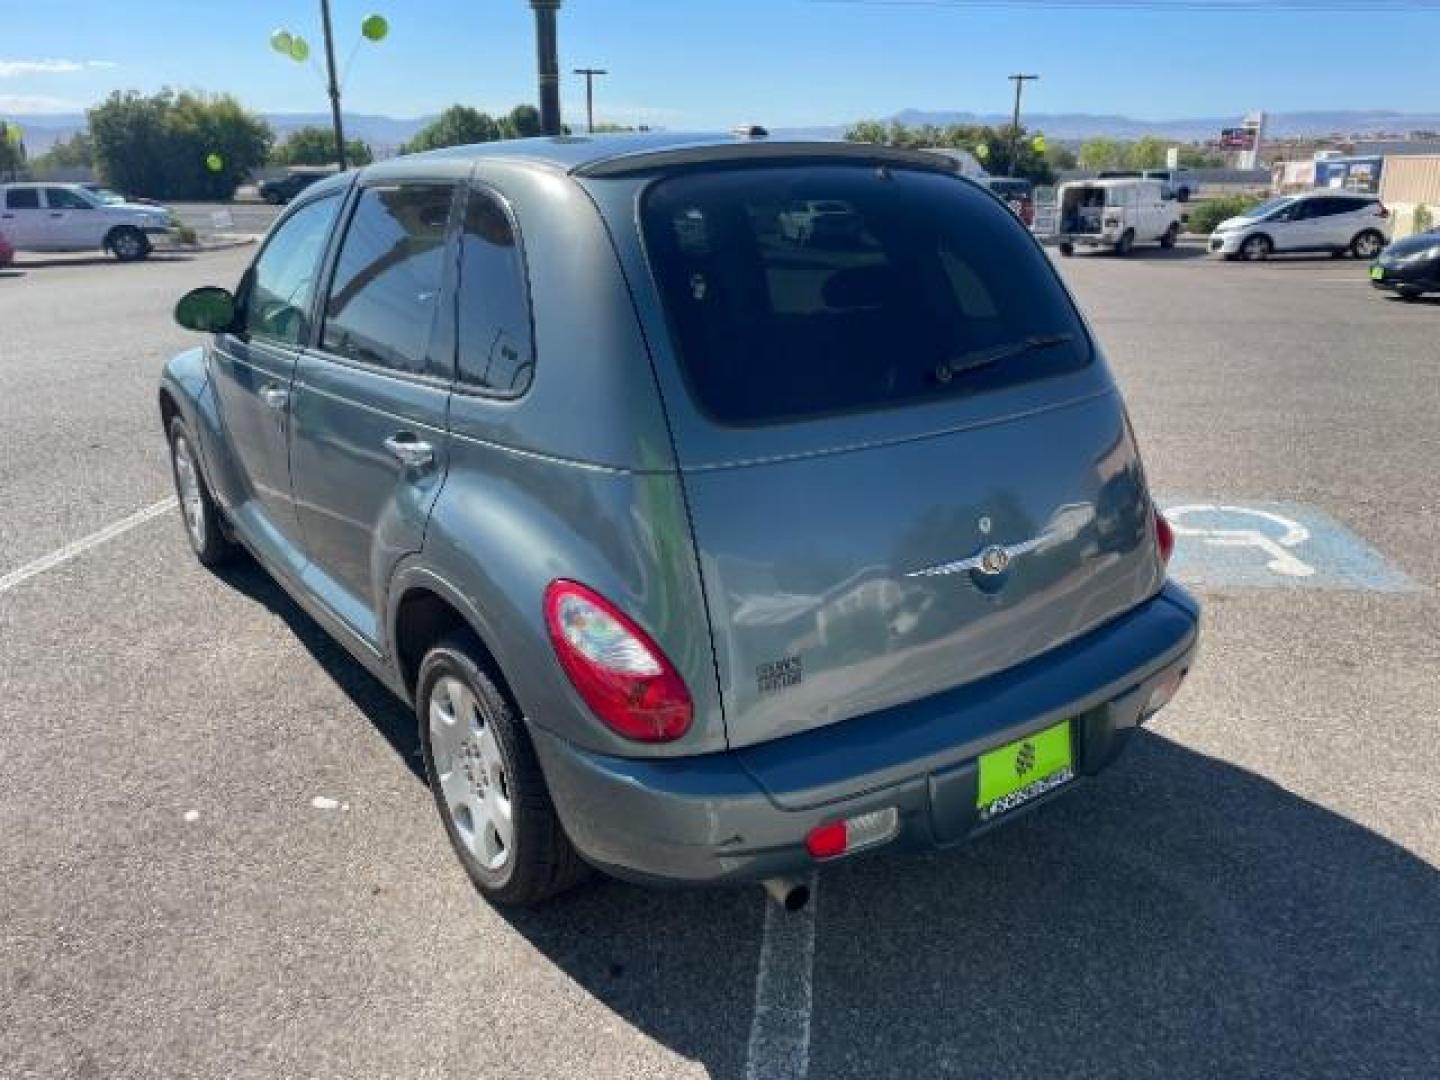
x=217, y=858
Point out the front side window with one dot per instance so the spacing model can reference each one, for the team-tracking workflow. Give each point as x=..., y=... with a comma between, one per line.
x=23, y=199
x=277, y=297
x=496, y=353
x=59, y=198
x=386, y=290
x=909, y=286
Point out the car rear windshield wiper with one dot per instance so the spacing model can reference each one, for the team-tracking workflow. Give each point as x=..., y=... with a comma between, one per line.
x=993, y=354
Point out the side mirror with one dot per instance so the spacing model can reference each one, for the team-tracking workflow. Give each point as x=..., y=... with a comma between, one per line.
x=209, y=309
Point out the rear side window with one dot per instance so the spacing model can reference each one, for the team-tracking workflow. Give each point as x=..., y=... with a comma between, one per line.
x=493, y=317
x=386, y=290
x=23, y=199
x=909, y=287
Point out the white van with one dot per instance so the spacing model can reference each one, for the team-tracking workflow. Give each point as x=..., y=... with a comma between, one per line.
x=1116, y=213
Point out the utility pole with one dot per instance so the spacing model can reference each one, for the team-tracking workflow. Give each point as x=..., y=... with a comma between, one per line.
x=547, y=64
x=590, y=74
x=1019, y=81
x=334, y=85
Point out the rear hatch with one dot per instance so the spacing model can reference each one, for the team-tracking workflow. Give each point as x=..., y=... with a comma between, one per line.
x=906, y=467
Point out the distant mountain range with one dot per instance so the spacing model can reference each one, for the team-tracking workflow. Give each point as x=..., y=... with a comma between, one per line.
x=385, y=132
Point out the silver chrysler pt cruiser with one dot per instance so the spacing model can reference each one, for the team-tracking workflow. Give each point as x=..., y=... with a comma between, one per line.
x=723, y=508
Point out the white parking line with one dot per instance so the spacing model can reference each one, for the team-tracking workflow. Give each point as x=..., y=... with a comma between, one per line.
x=84, y=544
x=780, y=1030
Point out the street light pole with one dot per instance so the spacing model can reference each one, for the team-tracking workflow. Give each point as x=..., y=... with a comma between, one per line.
x=590, y=74
x=334, y=85
x=547, y=63
x=1019, y=81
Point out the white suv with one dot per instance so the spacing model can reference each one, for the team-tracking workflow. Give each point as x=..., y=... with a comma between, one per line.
x=1321, y=221
x=67, y=217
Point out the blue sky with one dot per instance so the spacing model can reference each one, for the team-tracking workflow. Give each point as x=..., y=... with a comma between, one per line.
x=713, y=63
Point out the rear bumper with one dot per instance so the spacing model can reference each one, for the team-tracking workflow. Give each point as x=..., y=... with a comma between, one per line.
x=743, y=815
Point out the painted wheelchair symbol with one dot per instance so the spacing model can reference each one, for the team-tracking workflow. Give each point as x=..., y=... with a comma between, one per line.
x=1278, y=548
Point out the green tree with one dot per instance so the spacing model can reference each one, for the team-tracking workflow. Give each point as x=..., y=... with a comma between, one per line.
x=72, y=153
x=866, y=131
x=523, y=122
x=316, y=146
x=1102, y=153
x=177, y=145
x=1147, y=152
x=1060, y=157
x=12, y=150
x=1199, y=157
x=459, y=125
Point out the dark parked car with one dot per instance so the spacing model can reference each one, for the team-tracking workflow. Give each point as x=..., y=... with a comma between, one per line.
x=282, y=189
x=1018, y=193
x=702, y=555
x=1409, y=267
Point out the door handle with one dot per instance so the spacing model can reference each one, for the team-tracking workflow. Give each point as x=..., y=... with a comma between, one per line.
x=411, y=452
x=277, y=397
x=57, y=213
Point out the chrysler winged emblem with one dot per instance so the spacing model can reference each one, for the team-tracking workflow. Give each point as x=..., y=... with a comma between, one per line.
x=992, y=560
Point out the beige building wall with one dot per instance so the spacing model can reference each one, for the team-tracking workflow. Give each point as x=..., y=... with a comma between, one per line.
x=1408, y=183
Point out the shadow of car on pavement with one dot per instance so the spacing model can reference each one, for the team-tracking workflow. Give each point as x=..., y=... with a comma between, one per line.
x=1177, y=916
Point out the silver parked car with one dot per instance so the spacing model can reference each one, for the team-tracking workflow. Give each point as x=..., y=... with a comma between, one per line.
x=703, y=555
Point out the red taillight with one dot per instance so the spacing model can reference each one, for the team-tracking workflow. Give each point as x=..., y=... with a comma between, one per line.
x=1164, y=537
x=826, y=841
x=622, y=675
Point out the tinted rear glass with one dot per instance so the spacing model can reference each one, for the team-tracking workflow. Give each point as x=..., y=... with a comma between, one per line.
x=898, y=291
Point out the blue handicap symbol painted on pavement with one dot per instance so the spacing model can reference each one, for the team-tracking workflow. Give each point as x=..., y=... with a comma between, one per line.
x=1272, y=545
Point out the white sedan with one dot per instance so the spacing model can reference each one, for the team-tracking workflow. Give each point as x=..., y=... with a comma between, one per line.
x=67, y=217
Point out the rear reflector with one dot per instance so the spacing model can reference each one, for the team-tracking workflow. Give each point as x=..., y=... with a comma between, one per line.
x=622, y=675
x=1164, y=538
x=1164, y=692
x=838, y=838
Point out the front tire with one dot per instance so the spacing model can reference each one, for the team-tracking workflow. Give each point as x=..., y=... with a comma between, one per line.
x=487, y=782
x=1126, y=244
x=1256, y=248
x=1067, y=250
x=1367, y=245
x=204, y=526
x=128, y=243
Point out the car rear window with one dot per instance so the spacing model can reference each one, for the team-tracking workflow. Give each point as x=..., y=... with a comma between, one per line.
x=911, y=286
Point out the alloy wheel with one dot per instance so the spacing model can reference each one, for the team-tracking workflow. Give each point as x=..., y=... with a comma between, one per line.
x=474, y=785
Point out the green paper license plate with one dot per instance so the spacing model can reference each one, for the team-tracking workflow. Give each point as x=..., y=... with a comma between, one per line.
x=1377, y=273
x=1024, y=770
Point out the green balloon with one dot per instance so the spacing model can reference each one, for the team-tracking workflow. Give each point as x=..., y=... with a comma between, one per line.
x=374, y=28
x=214, y=162
x=13, y=134
x=281, y=42
x=982, y=151
x=1038, y=144
x=299, y=49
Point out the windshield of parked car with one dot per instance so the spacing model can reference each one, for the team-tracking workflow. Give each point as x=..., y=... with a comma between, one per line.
x=1269, y=206
x=775, y=318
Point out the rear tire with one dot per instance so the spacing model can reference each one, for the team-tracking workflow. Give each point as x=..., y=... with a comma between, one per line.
x=1171, y=237
x=1256, y=248
x=127, y=243
x=204, y=523
x=1067, y=250
x=487, y=783
x=1367, y=245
